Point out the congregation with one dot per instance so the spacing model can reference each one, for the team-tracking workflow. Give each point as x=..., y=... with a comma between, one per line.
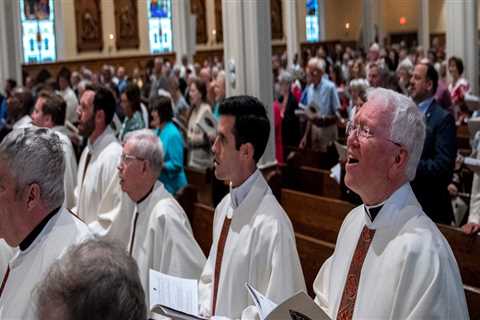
x=94, y=164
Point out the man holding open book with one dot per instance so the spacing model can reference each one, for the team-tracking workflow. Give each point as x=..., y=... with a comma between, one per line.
x=253, y=239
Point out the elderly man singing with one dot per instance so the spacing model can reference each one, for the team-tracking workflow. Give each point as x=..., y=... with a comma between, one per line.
x=390, y=260
x=31, y=215
x=161, y=237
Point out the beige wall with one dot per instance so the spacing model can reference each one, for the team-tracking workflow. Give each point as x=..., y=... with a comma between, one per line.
x=108, y=25
x=394, y=9
x=337, y=14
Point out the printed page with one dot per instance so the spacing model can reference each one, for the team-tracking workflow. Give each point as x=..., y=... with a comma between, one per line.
x=177, y=294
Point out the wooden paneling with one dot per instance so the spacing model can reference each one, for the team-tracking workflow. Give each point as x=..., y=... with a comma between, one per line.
x=130, y=63
x=126, y=24
x=198, y=8
x=276, y=19
x=218, y=21
x=88, y=21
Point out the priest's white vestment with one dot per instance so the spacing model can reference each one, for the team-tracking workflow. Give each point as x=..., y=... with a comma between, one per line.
x=161, y=238
x=100, y=200
x=6, y=253
x=260, y=249
x=70, y=176
x=409, y=271
x=28, y=268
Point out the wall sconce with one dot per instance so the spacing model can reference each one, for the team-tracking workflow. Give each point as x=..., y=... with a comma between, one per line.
x=403, y=21
x=347, y=28
x=214, y=36
x=111, y=37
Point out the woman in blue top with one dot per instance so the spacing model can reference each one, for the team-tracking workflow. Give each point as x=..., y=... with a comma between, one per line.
x=172, y=175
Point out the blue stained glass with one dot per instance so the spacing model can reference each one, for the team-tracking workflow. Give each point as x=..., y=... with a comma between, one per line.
x=38, y=30
x=160, y=25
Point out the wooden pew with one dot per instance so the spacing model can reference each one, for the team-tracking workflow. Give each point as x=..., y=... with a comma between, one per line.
x=315, y=159
x=199, y=180
x=202, y=224
x=312, y=253
x=315, y=216
x=467, y=252
x=310, y=180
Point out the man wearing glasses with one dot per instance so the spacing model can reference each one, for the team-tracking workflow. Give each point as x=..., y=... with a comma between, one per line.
x=161, y=237
x=390, y=259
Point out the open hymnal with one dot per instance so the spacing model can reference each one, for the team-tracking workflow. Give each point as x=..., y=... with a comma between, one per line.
x=297, y=307
x=173, y=297
x=208, y=124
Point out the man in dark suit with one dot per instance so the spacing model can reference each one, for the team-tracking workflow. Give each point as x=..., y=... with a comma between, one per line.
x=435, y=170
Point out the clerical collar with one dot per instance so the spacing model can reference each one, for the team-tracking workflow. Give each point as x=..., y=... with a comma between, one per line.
x=372, y=211
x=239, y=193
x=36, y=231
x=146, y=196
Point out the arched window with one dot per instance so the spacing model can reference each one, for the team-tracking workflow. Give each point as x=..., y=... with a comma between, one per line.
x=38, y=30
x=311, y=21
x=160, y=25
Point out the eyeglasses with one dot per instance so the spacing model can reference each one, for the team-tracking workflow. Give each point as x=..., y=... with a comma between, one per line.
x=124, y=158
x=362, y=131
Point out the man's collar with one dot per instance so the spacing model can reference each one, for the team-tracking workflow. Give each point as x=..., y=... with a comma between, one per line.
x=36, y=231
x=423, y=106
x=238, y=194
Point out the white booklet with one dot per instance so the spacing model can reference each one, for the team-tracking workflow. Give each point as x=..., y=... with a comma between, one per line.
x=208, y=124
x=173, y=297
x=298, y=307
x=472, y=163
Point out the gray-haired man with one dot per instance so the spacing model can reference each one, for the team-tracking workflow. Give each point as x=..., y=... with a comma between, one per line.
x=161, y=237
x=95, y=280
x=390, y=259
x=31, y=214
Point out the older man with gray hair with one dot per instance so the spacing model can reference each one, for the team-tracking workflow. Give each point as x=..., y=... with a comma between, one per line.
x=390, y=260
x=95, y=280
x=321, y=98
x=161, y=237
x=31, y=214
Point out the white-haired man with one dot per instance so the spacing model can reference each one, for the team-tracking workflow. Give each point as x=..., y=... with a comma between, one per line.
x=161, y=237
x=31, y=215
x=320, y=97
x=390, y=260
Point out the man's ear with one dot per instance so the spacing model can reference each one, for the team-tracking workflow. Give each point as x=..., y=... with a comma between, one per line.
x=400, y=162
x=247, y=150
x=49, y=120
x=33, y=195
x=99, y=118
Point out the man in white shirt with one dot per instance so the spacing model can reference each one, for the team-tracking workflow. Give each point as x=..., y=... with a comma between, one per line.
x=49, y=112
x=100, y=201
x=390, y=259
x=161, y=237
x=253, y=238
x=68, y=95
x=32, y=216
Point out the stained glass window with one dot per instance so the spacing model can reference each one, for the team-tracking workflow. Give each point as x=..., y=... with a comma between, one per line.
x=311, y=21
x=160, y=25
x=38, y=30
